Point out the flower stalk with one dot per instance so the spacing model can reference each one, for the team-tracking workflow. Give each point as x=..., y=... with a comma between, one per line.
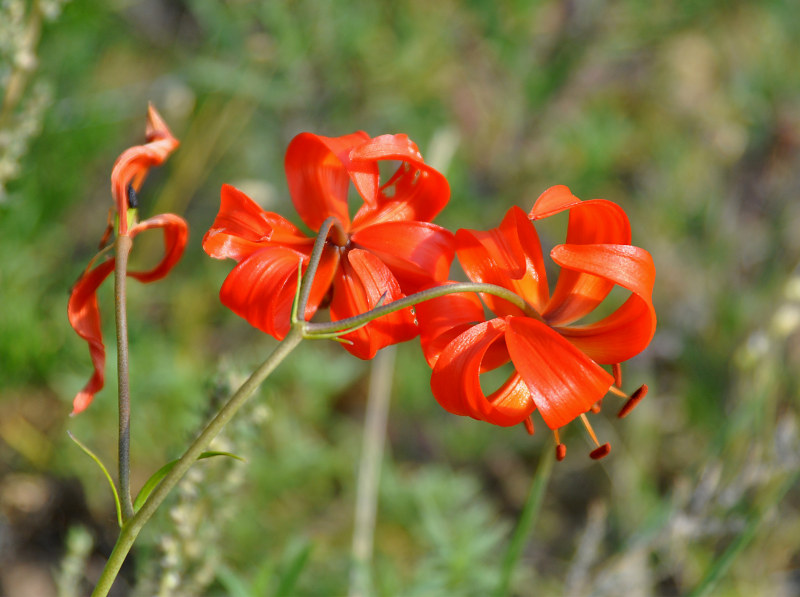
x=313, y=263
x=124, y=244
x=317, y=330
x=133, y=526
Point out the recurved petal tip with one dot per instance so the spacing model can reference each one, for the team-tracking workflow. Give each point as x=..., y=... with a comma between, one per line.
x=156, y=127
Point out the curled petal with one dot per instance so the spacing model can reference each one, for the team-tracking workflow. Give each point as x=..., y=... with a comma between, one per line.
x=82, y=309
x=455, y=381
x=415, y=191
x=563, y=381
x=389, y=147
x=261, y=288
x=362, y=282
x=176, y=233
x=443, y=318
x=627, y=331
x=417, y=253
x=509, y=256
x=133, y=164
x=595, y=220
x=554, y=200
x=590, y=222
x=242, y=228
x=630, y=267
x=319, y=170
x=84, y=317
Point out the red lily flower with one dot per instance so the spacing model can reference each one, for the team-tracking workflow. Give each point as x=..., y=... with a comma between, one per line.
x=390, y=247
x=556, y=360
x=129, y=171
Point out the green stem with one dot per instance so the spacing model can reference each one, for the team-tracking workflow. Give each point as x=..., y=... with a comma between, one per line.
x=314, y=330
x=313, y=261
x=133, y=526
x=525, y=524
x=123, y=249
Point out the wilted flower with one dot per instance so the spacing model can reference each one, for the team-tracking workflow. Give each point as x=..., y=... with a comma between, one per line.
x=127, y=176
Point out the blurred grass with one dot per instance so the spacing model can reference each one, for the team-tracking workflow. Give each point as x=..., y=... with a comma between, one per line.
x=688, y=116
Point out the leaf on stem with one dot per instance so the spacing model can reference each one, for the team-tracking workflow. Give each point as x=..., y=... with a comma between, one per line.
x=157, y=477
x=94, y=457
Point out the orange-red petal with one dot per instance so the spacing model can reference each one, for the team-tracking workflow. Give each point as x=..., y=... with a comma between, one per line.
x=84, y=317
x=455, y=381
x=242, y=227
x=262, y=287
x=442, y=319
x=133, y=164
x=627, y=331
x=176, y=233
x=360, y=284
x=319, y=170
x=593, y=221
x=509, y=256
x=563, y=381
x=417, y=253
x=415, y=191
x=83, y=311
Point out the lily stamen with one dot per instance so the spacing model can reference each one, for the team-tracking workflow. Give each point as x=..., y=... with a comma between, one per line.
x=528, y=425
x=631, y=403
x=616, y=390
x=600, y=451
x=561, y=449
x=616, y=371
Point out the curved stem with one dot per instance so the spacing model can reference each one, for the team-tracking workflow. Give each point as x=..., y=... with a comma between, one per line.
x=314, y=330
x=133, y=526
x=313, y=261
x=123, y=249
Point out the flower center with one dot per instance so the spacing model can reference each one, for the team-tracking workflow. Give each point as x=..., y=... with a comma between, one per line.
x=338, y=236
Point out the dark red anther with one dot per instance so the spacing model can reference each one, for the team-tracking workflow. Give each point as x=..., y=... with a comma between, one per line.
x=635, y=398
x=600, y=452
x=561, y=452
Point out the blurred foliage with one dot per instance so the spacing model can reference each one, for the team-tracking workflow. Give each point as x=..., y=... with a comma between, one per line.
x=687, y=114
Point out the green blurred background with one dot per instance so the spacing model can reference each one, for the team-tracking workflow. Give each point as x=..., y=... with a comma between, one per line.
x=685, y=113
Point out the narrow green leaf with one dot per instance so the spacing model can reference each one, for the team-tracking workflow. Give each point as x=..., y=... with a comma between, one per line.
x=292, y=574
x=94, y=457
x=527, y=521
x=156, y=478
x=233, y=585
x=722, y=565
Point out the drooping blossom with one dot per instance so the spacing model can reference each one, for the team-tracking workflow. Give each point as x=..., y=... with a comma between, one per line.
x=556, y=354
x=134, y=163
x=388, y=249
x=127, y=176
